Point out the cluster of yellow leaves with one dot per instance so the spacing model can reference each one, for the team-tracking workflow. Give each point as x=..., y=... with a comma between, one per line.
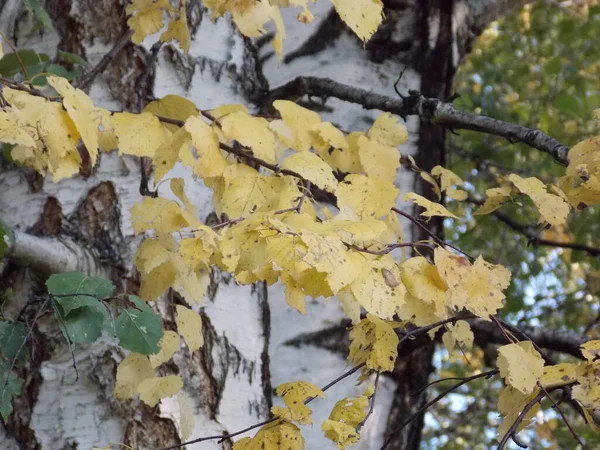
x=250, y=16
x=581, y=182
x=523, y=370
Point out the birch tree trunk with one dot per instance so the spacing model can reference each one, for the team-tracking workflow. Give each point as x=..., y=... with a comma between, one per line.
x=253, y=340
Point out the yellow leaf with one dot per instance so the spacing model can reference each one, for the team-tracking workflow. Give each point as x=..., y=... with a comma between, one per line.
x=294, y=296
x=520, y=365
x=156, y=282
x=431, y=209
x=153, y=252
x=151, y=390
x=447, y=177
x=558, y=375
x=189, y=325
x=344, y=159
x=172, y=107
x=205, y=142
x=362, y=197
x=11, y=132
x=326, y=136
x=162, y=215
x=313, y=168
x=146, y=17
x=423, y=281
x=166, y=154
x=250, y=17
x=139, y=134
x=279, y=32
x=591, y=351
x=552, y=207
x=510, y=405
x=379, y=287
x=168, y=344
x=294, y=394
x=495, y=198
x=374, y=343
x=300, y=121
x=278, y=435
x=80, y=107
x=178, y=29
x=253, y=132
x=196, y=251
x=346, y=416
x=458, y=333
x=419, y=312
x=186, y=416
x=457, y=194
x=223, y=110
x=388, y=131
x=342, y=434
x=378, y=160
x=362, y=16
x=134, y=369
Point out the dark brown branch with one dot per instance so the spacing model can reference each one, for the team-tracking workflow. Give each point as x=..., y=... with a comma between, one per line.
x=513, y=429
x=88, y=78
x=429, y=109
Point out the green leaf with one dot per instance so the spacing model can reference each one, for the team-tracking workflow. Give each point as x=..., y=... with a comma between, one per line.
x=72, y=58
x=40, y=14
x=141, y=304
x=4, y=232
x=139, y=331
x=82, y=326
x=10, y=386
x=12, y=336
x=10, y=64
x=91, y=289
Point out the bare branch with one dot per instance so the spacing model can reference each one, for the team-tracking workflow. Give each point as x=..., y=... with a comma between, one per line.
x=430, y=109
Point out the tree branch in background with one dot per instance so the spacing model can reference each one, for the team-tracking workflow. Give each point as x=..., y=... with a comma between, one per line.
x=430, y=109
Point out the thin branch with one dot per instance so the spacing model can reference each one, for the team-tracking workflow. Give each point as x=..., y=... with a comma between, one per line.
x=534, y=239
x=88, y=78
x=412, y=417
x=441, y=380
x=371, y=405
x=430, y=109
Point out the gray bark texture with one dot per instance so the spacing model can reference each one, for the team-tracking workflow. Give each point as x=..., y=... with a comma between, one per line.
x=83, y=224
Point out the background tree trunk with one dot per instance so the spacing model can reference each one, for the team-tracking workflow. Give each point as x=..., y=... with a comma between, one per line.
x=253, y=340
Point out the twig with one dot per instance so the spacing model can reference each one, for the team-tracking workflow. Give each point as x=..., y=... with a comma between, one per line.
x=434, y=401
x=391, y=247
x=64, y=325
x=87, y=78
x=16, y=52
x=430, y=109
x=428, y=231
x=371, y=405
x=441, y=380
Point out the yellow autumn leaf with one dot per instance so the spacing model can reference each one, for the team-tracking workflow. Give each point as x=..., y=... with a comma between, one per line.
x=558, y=375
x=79, y=107
x=138, y=134
x=153, y=252
x=252, y=132
x=168, y=344
x=294, y=394
x=151, y=390
x=510, y=405
x=300, y=121
x=162, y=215
x=134, y=369
x=447, y=177
x=12, y=132
x=388, y=131
x=378, y=160
x=459, y=333
x=431, y=209
x=178, y=29
x=423, y=281
x=146, y=17
x=582, y=180
x=495, y=198
x=277, y=435
x=552, y=207
x=379, y=287
x=223, y=110
x=294, y=296
x=326, y=136
x=373, y=342
x=345, y=159
x=362, y=197
x=345, y=417
x=419, y=312
x=362, y=16
x=313, y=168
x=210, y=162
x=172, y=107
x=520, y=365
x=186, y=416
x=189, y=326
x=591, y=351
x=167, y=153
